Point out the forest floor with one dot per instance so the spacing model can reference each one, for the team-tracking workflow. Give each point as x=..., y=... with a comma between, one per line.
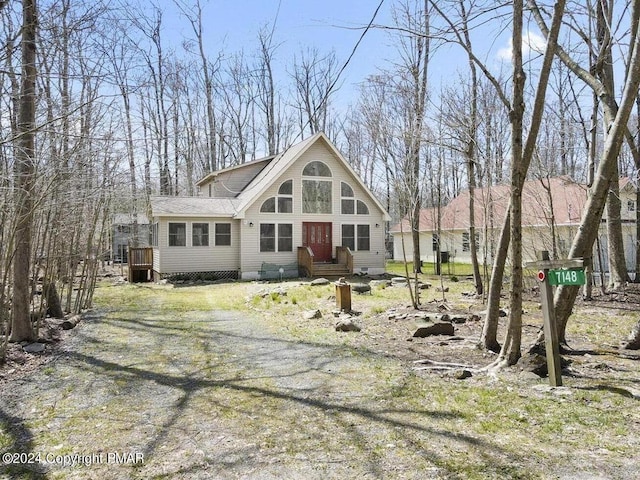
x=234, y=381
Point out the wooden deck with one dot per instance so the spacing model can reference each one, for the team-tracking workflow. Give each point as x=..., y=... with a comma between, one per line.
x=140, y=264
x=343, y=266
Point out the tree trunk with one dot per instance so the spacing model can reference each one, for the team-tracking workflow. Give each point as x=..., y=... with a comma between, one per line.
x=21, y=327
x=582, y=245
x=489, y=337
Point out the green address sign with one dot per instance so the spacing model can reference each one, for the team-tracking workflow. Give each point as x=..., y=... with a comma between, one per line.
x=567, y=277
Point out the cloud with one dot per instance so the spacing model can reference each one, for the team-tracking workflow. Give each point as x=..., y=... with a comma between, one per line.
x=531, y=42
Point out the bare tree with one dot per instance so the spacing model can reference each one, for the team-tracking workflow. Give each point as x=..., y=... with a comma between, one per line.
x=583, y=242
x=21, y=328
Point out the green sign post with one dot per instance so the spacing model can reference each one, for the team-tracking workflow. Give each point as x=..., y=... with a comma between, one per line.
x=574, y=276
x=555, y=272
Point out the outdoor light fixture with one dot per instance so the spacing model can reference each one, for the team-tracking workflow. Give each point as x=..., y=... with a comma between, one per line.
x=251, y=224
x=377, y=225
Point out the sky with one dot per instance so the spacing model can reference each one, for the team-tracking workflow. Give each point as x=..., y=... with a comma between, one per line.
x=329, y=25
x=233, y=25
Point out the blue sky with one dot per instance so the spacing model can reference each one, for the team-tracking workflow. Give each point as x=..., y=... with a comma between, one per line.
x=233, y=25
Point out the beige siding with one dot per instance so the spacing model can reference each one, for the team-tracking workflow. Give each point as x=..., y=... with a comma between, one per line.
x=230, y=184
x=252, y=258
x=196, y=259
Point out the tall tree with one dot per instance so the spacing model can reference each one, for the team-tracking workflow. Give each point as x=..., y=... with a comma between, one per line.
x=619, y=114
x=21, y=327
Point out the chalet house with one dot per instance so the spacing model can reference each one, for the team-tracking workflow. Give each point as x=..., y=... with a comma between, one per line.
x=304, y=211
x=552, y=209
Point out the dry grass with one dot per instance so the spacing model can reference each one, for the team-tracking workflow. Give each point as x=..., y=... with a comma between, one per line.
x=220, y=381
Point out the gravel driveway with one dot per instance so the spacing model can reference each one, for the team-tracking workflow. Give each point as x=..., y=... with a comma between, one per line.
x=136, y=393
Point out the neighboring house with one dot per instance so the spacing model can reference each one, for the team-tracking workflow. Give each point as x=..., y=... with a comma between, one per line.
x=302, y=211
x=123, y=234
x=551, y=211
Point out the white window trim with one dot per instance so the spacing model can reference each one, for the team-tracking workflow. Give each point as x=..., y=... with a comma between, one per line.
x=293, y=236
x=355, y=234
x=214, y=244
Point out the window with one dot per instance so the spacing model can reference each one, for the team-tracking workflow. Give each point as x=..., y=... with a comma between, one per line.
x=284, y=200
x=466, y=244
x=316, y=196
x=177, y=234
x=347, y=200
x=285, y=237
x=223, y=234
x=363, y=238
x=349, y=236
x=362, y=208
x=356, y=237
x=631, y=206
x=154, y=235
x=269, y=205
x=316, y=169
x=267, y=237
x=285, y=197
x=272, y=235
x=200, y=234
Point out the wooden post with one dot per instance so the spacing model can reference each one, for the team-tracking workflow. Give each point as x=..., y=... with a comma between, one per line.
x=552, y=346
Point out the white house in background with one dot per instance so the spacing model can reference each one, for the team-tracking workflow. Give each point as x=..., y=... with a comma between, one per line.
x=124, y=235
x=302, y=211
x=551, y=214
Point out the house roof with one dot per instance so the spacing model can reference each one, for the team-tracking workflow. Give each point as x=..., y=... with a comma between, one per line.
x=193, y=207
x=559, y=199
x=213, y=175
x=236, y=207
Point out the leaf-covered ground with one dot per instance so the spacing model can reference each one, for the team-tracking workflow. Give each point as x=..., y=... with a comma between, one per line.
x=231, y=381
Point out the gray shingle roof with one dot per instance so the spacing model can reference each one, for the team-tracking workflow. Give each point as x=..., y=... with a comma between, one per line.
x=193, y=206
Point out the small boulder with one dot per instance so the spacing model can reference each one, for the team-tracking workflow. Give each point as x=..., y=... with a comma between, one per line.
x=398, y=281
x=361, y=288
x=461, y=374
x=433, y=328
x=320, y=281
x=311, y=314
x=35, y=347
x=347, y=325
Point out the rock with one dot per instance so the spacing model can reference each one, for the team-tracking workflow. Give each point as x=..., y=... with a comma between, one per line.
x=458, y=319
x=398, y=281
x=311, y=314
x=347, y=325
x=442, y=289
x=361, y=288
x=461, y=374
x=380, y=283
x=36, y=347
x=433, y=328
x=534, y=363
x=319, y=282
x=473, y=318
x=424, y=286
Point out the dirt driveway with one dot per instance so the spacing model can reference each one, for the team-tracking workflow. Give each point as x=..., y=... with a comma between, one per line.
x=147, y=389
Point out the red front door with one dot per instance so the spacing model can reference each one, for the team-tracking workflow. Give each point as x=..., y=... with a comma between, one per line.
x=317, y=236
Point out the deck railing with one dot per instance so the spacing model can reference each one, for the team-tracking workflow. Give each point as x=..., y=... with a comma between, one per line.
x=305, y=261
x=140, y=257
x=345, y=257
x=140, y=261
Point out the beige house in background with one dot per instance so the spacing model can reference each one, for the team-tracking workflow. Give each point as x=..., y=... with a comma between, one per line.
x=551, y=209
x=303, y=211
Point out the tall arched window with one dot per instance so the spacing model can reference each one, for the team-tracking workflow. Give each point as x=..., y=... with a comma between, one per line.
x=347, y=200
x=316, y=192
